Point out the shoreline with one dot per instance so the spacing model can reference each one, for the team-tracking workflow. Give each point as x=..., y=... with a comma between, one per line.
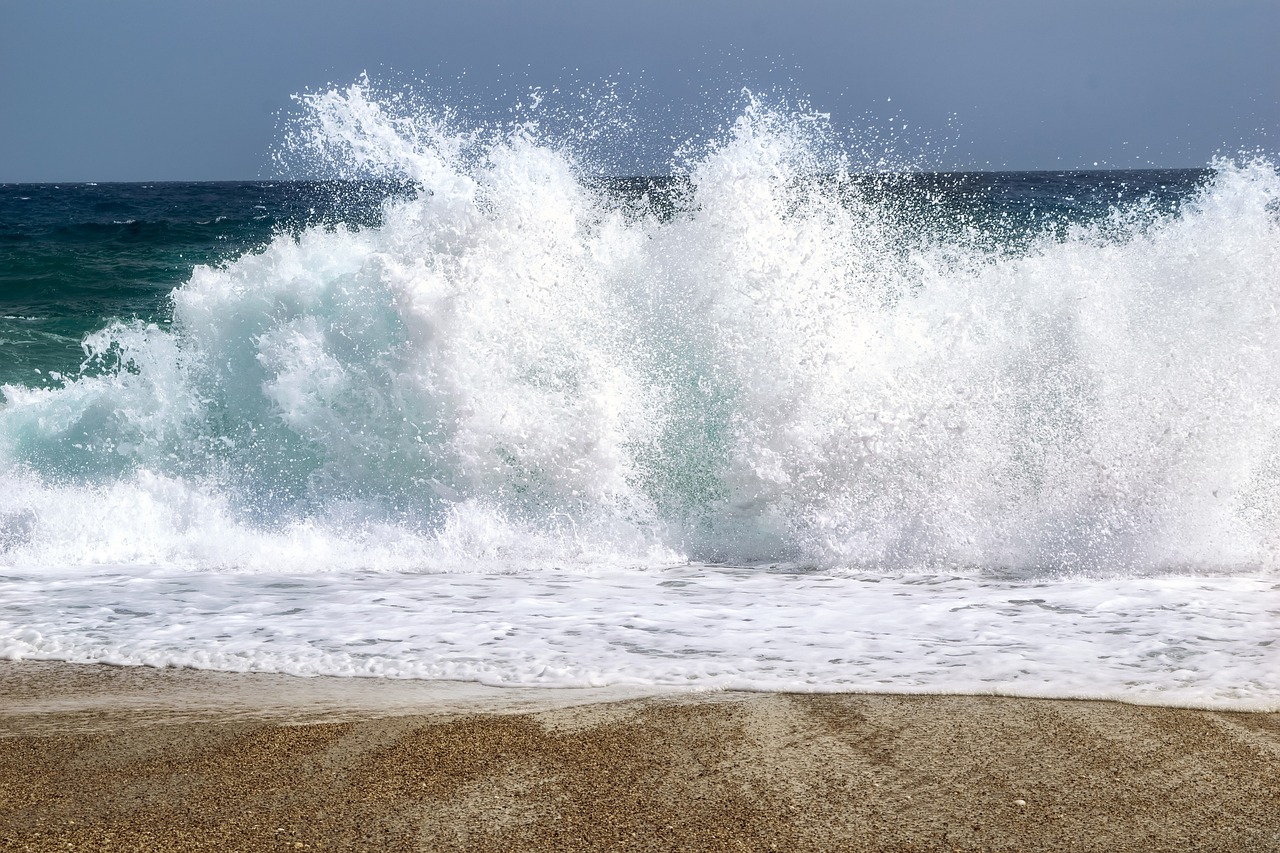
x=53, y=697
x=96, y=757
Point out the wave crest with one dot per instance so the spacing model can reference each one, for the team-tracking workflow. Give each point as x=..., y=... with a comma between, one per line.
x=517, y=367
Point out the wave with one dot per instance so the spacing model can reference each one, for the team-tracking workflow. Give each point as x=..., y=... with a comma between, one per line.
x=519, y=368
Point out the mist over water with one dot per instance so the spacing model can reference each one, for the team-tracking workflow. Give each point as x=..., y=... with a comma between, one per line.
x=770, y=361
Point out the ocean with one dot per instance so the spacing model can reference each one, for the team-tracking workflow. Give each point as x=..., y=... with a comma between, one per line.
x=462, y=410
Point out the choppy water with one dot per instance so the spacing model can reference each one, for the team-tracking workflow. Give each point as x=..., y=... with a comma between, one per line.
x=471, y=413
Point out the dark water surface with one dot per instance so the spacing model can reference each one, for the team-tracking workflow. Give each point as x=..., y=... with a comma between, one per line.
x=75, y=256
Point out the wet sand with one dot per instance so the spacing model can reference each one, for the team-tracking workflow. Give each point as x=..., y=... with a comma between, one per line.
x=102, y=758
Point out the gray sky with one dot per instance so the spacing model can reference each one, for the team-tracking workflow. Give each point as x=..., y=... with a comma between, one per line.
x=169, y=90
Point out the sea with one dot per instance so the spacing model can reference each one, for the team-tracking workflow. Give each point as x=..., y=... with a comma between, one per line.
x=454, y=407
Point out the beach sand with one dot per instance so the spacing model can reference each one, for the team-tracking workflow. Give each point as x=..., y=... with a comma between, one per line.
x=105, y=758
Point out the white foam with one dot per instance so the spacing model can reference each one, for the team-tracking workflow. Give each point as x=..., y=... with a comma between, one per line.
x=1196, y=641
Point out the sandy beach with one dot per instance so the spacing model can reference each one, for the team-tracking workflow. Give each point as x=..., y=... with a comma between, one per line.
x=104, y=758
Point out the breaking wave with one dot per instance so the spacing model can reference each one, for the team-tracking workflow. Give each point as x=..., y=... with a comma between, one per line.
x=766, y=360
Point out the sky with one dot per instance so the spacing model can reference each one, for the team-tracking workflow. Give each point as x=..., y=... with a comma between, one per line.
x=155, y=90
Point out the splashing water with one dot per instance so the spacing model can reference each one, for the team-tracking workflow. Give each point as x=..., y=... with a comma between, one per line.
x=517, y=371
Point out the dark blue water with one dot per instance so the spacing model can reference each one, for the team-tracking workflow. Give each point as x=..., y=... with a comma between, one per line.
x=76, y=256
